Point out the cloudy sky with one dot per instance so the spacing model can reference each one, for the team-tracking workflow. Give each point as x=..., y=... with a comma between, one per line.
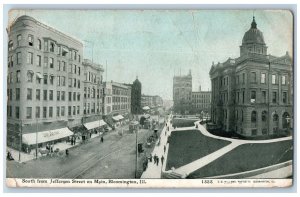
x=155, y=45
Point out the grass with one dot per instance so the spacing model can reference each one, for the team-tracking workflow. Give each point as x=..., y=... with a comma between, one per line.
x=247, y=157
x=190, y=145
x=183, y=122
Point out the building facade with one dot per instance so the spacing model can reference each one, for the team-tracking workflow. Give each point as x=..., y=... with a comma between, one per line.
x=201, y=102
x=117, y=99
x=44, y=82
x=182, y=92
x=136, y=97
x=93, y=94
x=252, y=94
x=152, y=101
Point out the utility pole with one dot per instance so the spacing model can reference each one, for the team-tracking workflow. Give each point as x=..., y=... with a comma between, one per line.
x=136, y=146
x=269, y=93
x=21, y=136
x=36, y=140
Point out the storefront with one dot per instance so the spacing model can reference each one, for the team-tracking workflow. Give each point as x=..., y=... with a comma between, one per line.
x=96, y=126
x=30, y=140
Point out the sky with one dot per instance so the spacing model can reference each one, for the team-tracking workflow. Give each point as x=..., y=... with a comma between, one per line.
x=155, y=45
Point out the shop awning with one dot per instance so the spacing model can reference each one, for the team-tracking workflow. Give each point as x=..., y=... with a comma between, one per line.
x=116, y=118
x=95, y=124
x=46, y=136
x=146, y=108
x=120, y=117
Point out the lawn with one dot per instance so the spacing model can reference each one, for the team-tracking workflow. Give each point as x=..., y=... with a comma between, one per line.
x=176, y=122
x=247, y=157
x=190, y=145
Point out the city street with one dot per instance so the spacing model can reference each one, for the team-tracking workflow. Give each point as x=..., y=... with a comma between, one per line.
x=114, y=158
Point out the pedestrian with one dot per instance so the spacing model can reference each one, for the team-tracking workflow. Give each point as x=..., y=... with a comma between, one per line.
x=164, y=148
x=162, y=160
x=51, y=148
x=150, y=158
x=67, y=152
x=90, y=135
x=102, y=139
x=48, y=146
x=157, y=160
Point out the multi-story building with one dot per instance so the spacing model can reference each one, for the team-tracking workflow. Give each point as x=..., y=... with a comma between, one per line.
x=147, y=100
x=93, y=94
x=152, y=101
x=44, y=85
x=252, y=94
x=117, y=99
x=158, y=101
x=201, y=102
x=182, y=92
x=136, y=94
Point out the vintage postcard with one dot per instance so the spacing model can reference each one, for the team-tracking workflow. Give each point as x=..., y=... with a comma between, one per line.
x=149, y=98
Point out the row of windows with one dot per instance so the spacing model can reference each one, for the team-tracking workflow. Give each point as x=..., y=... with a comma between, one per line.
x=47, y=111
x=91, y=108
x=120, y=107
x=202, y=101
x=119, y=99
x=61, y=80
x=61, y=65
x=120, y=92
x=240, y=97
x=49, y=45
x=200, y=96
x=91, y=92
x=253, y=79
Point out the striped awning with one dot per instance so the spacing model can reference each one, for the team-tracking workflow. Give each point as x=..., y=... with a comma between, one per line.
x=46, y=136
x=95, y=124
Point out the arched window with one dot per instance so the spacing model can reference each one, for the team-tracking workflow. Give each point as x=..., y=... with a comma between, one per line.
x=275, y=118
x=264, y=116
x=253, y=116
x=10, y=45
x=285, y=120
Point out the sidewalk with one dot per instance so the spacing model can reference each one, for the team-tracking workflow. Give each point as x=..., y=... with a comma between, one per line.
x=153, y=171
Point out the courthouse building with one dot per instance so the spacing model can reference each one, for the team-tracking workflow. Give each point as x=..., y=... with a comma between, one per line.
x=44, y=83
x=252, y=94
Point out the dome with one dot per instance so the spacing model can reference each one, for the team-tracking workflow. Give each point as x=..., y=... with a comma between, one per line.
x=253, y=35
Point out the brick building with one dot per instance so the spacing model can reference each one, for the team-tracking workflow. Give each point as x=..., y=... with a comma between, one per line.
x=252, y=94
x=44, y=83
x=182, y=93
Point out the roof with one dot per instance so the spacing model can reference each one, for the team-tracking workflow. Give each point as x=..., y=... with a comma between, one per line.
x=253, y=35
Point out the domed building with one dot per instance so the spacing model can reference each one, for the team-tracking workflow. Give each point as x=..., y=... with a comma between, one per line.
x=252, y=94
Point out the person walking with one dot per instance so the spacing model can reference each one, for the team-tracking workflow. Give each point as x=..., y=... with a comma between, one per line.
x=157, y=160
x=164, y=148
x=102, y=139
x=162, y=160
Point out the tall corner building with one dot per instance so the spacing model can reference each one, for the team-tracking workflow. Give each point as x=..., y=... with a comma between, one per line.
x=46, y=79
x=252, y=94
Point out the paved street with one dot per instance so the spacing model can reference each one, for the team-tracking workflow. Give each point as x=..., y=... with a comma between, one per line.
x=114, y=158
